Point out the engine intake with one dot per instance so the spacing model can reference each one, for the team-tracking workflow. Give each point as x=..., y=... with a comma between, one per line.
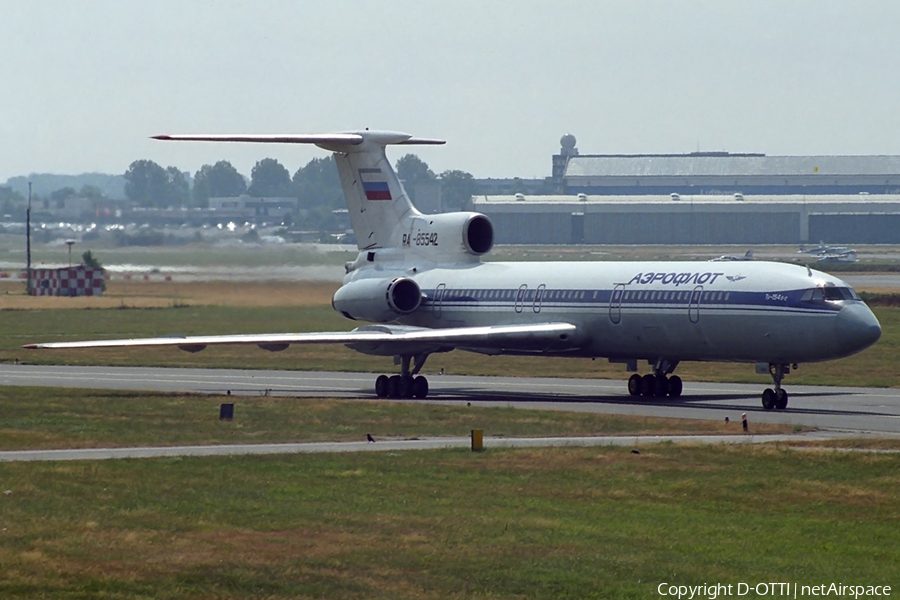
x=478, y=235
x=404, y=295
x=378, y=300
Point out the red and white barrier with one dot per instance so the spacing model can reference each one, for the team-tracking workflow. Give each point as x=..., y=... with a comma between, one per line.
x=69, y=281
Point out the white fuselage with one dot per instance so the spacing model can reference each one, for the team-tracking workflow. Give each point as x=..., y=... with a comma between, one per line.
x=677, y=311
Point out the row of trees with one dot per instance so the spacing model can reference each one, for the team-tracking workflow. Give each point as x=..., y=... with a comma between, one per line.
x=13, y=203
x=316, y=184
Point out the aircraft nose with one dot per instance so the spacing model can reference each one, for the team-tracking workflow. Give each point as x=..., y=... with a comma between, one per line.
x=857, y=327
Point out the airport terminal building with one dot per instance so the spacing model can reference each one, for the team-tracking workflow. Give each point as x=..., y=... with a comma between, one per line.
x=704, y=198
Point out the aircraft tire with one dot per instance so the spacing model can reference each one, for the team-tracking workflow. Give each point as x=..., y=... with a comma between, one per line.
x=660, y=386
x=394, y=386
x=634, y=385
x=382, y=386
x=675, y=386
x=405, y=389
x=648, y=382
x=420, y=387
x=768, y=399
x=781, y=399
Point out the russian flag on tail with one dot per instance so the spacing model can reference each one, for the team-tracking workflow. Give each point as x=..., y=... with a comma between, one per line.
x=375, y=184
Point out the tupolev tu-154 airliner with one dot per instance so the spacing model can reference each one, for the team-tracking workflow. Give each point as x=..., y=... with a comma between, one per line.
x=420, y=283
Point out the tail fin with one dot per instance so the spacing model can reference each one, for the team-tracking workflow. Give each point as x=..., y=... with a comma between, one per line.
x=375, y=198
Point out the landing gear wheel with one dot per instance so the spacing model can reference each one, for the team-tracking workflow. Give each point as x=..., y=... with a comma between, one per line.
x=675, y=386
x=405, y=390
x=781, y=399
x=768, y=399
x=382, y=385
x=777, y=398
x=394, y=386
x=660, y=386
x=634, y=385
x=648, y=383
x=420, y=387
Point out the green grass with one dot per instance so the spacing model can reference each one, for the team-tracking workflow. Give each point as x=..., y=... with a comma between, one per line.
x=537, y=523
x=876, y=366
x=41, y=418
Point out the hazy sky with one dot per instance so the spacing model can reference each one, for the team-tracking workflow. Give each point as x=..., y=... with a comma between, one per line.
x=85, y=83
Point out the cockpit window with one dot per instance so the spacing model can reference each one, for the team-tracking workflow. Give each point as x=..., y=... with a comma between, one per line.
x=833, y=293
x=829, y=292
x=813, y=295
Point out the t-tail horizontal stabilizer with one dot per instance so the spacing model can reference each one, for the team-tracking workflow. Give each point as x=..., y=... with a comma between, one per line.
x=324, y=140
x=376, y=200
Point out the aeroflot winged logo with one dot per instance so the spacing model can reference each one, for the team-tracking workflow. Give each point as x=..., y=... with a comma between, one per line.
x=375, y=184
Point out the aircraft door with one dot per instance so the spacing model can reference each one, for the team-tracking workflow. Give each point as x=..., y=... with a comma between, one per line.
x=694, y=306
x=539, y=297
x=438, y=299
x=615, y=303
x=520, y=297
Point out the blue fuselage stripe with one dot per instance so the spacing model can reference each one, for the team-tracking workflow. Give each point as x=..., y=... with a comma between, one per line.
x=782, y=301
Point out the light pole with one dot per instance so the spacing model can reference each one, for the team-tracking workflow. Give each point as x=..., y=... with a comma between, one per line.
x=28, y=243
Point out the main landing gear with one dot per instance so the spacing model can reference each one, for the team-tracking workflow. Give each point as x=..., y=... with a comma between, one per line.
x=777, y=398
x=409, y=384
x=659, y=384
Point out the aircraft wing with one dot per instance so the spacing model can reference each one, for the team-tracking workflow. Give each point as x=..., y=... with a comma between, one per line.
x=370, y=339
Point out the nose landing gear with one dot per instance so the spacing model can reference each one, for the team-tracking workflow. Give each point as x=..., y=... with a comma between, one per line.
x=409, y=384
x=777, y=398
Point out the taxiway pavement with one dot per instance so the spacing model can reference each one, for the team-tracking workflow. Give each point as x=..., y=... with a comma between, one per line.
x=855, y=411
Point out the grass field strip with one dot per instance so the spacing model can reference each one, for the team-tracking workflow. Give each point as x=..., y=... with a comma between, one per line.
x=399, y=445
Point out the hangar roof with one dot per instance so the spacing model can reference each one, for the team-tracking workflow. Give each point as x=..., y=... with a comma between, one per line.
x=687, y=165
x=865, y=202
